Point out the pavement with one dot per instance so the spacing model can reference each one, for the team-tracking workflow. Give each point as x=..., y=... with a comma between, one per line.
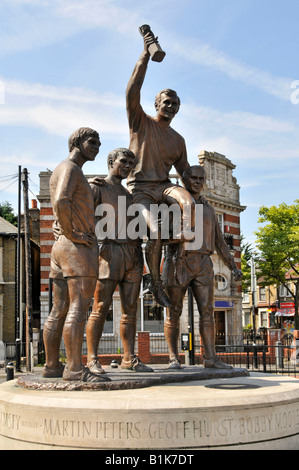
x=4, y=375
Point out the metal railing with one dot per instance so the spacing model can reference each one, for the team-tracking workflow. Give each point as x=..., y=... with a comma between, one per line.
x=274, y=359
x=281, y=358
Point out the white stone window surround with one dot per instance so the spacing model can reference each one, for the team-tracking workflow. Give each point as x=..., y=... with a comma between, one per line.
x=221, y=282
x=220, y=218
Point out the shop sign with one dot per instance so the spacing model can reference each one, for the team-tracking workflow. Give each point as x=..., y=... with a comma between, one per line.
x=287, y=305
x=224, y=304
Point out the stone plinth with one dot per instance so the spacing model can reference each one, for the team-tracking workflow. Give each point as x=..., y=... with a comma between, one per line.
x=259, y=411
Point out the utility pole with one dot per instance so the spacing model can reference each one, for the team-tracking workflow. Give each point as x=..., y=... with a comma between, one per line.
x=18, y=306
x=28, y=270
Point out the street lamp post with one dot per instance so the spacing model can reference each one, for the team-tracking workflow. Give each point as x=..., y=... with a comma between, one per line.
x=254, y=306
x=254, y=296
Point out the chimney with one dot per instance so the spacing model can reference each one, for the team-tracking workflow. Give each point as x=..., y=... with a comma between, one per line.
x=33, y=204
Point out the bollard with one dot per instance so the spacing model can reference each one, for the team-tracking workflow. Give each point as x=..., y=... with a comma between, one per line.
x=10, y=371
x=278, y=354
x=18, y=355
x=187, y=358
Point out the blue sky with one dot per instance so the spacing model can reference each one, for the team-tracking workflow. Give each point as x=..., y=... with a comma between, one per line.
x=65, y=64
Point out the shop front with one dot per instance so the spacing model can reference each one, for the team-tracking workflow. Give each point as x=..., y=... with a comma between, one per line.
x=222, y=316
x=285, y=318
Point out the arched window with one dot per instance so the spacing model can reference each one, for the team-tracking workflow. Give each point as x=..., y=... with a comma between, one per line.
x=220, y=282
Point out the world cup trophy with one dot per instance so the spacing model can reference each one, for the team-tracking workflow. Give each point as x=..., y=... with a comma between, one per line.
x=157, y=54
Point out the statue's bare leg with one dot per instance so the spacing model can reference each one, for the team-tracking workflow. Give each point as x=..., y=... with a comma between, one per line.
x=172, y=324
x=53, y=328
x=103, y=296
x=81, y=290
x=204, y=296
x=129, y=293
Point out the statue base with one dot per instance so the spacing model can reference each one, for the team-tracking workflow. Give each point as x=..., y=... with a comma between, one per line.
x=191, y=409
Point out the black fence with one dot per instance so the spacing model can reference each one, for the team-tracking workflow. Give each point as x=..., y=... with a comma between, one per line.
x=277, y=359
x=247, y=352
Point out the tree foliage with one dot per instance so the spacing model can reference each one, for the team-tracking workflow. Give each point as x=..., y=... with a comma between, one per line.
x=6, y=211
x=278, y=243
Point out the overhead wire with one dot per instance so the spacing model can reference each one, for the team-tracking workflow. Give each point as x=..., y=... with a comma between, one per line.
x=8, y=176
x=3, y=179
x=13, y=180
x=32, y=192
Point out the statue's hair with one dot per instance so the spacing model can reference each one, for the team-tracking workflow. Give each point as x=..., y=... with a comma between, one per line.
x=81, y=134
x=112, y=156
x=187, y=172
x=167, y=92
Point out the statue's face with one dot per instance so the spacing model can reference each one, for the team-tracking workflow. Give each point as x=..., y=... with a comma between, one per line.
x=122, y=165
x=90, y=147
x=168, y=107
x=194, y=182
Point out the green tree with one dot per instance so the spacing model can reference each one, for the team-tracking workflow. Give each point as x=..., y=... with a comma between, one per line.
x=278, y=243
x=6, y=211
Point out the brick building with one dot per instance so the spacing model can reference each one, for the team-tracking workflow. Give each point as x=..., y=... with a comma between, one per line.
x=8, y=242
x=222, y=191
x=12, y=325
x=275, y=305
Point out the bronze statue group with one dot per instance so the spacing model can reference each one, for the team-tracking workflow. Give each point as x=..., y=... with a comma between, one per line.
x=86, y=264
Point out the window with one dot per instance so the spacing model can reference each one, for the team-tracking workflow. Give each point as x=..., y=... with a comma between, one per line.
x=220, y=221
x=283, y=292
x=262, y=294
x=246, y=296
x=220, y=282
x=264, y=318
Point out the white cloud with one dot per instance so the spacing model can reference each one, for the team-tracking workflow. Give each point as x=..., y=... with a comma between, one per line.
x=250, y=140
x=245, y=120
x=29, y=157
x=50, y=21
x=60, y=110
x=61, y=120
x=66, y=94
x=203, y=54
x=98, y=13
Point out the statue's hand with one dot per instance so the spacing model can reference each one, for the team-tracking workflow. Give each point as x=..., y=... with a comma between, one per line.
x=148, y=39
x=237, y=274
x=98, y=181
